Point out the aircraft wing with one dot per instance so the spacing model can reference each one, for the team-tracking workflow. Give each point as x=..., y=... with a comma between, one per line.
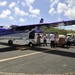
x=54, y=24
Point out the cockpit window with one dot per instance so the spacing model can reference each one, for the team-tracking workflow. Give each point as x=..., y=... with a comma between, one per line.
x=10, y=26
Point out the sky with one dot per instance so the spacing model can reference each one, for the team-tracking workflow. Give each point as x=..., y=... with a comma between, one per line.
x=24, y=12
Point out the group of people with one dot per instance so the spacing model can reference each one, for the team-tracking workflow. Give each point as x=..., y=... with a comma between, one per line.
x=52, y=40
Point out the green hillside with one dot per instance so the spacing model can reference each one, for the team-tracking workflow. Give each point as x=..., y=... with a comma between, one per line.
x=58, y=31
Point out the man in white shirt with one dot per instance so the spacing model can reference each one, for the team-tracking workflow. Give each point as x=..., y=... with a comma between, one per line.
x=52, y=38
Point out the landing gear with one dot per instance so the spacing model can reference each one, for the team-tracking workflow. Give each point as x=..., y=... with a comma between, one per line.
x=10, y=42
x=30, y=44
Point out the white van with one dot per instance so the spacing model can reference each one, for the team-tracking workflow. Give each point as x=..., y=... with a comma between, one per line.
x=72, y=36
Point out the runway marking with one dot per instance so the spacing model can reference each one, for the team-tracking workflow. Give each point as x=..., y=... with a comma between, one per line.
x=12, y=58
x=6, y=73
x=16, y=57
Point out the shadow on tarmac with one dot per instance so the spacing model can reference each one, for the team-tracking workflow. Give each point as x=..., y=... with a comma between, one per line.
x=38, y=48
x=55, y=51
x=8, y=48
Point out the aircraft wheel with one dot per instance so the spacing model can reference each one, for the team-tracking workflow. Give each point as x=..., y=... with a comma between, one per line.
x=30, y=44
x=10, y=42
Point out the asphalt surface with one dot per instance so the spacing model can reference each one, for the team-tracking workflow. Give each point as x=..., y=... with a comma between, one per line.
x=20, y=60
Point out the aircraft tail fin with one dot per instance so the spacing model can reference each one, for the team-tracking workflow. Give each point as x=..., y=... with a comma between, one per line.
x=41, y=20
x=39, y=29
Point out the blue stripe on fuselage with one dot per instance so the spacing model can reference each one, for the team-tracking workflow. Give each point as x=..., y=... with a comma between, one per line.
x=9, y=31
x=6, y=31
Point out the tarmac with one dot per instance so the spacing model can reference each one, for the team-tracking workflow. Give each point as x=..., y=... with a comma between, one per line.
x=22, y=47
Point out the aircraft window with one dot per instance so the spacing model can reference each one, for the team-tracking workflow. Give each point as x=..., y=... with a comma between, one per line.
x=10, y=26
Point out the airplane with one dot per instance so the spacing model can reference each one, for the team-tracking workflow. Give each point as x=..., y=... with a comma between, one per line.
x=27, y=32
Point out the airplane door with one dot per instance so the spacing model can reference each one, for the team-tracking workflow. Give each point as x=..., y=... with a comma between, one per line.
x=32, y=34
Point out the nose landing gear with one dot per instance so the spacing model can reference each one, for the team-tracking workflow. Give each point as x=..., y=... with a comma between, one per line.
x=10, y=42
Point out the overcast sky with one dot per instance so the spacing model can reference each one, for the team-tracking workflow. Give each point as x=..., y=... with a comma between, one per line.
x=24, y=12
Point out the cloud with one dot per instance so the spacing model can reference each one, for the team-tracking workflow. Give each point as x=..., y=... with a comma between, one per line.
x=22, y=20
x=52, y=11
x=5, y=13
x=18, y=1
x=23, y=4
x=11, y=18
x=20, y=12
x=70, y=1
x=54, y=2
x=68, y=9
x=33, y=15
x=29, y=2
x=61, y=7
x=13, y=4
x=34, y=11
x=70, y=13
x=3, y=3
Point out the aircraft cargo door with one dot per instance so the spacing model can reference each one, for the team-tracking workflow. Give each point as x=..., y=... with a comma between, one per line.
x=32, y=33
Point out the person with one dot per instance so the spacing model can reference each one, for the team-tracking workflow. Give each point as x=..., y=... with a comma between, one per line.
x=68, y=41
x=45, y=40
x=52, y=38
x=38, y=39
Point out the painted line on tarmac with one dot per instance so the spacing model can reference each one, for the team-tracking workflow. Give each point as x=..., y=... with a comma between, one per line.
x=12, y=58
x=5, y=73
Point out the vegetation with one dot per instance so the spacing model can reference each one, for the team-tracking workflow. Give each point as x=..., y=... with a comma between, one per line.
x=58, y=31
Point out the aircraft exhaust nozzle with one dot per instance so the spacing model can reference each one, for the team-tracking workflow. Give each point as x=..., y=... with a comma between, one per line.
x=42, y=20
